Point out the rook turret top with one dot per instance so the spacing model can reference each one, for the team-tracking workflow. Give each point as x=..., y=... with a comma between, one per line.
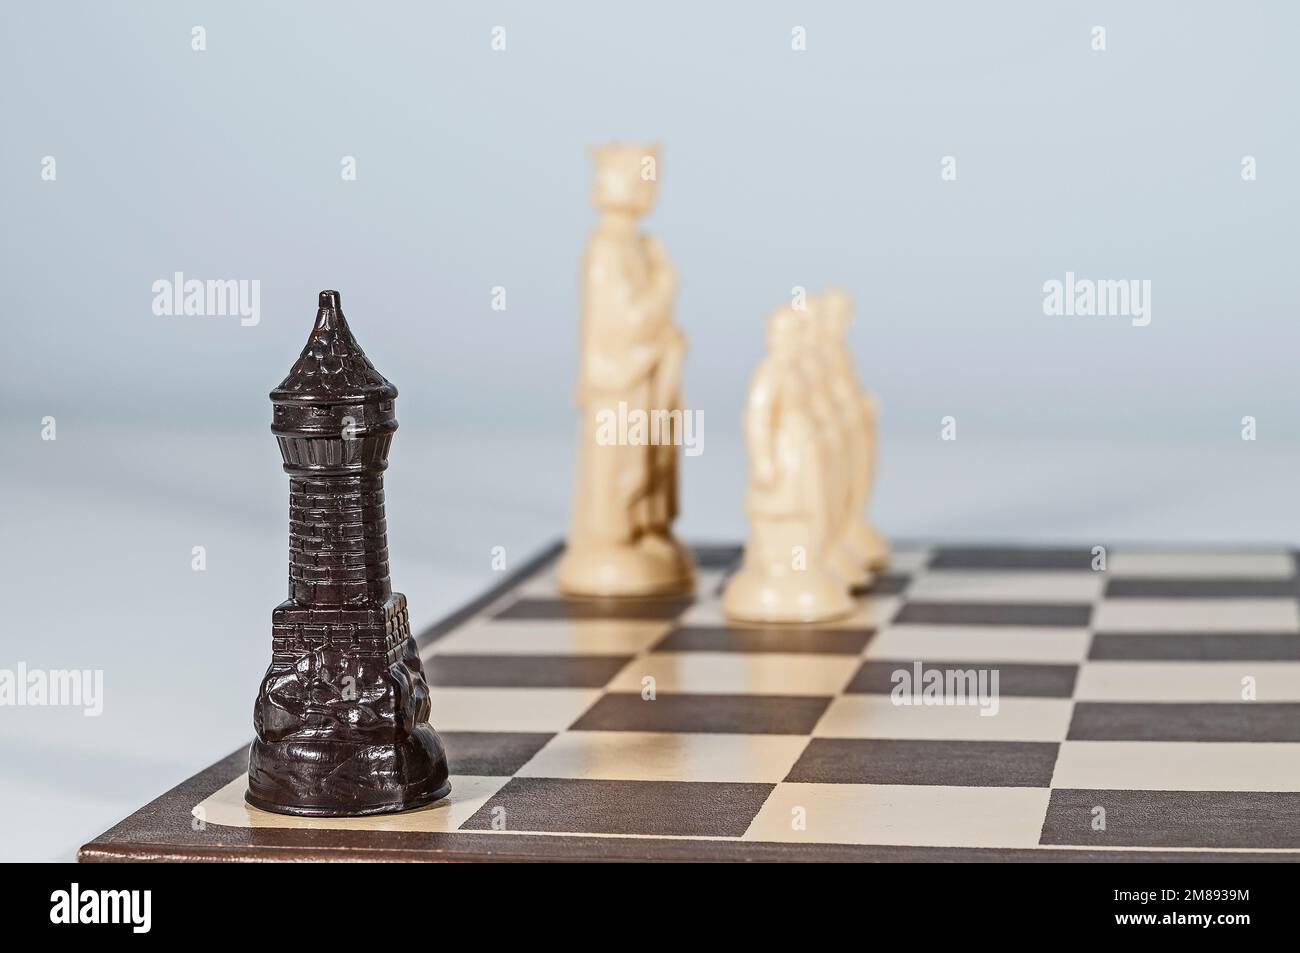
x=332, y=368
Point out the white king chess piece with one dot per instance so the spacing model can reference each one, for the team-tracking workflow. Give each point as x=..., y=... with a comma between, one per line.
x=837, y=310
x=836, y=411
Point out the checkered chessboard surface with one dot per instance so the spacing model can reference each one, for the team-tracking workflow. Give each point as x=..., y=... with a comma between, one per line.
x=1151, y=710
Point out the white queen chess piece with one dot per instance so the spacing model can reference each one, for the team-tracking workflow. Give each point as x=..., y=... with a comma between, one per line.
x=786, y=576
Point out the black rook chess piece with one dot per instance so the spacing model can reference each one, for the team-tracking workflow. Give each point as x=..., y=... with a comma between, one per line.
x=342, y=717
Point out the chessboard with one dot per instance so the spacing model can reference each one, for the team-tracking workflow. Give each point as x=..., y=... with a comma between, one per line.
x=1144, y=710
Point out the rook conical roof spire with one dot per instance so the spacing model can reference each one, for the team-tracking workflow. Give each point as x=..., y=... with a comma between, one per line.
x=332, y=368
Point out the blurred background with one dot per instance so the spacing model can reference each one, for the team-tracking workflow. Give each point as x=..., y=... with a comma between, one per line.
x=780, y=168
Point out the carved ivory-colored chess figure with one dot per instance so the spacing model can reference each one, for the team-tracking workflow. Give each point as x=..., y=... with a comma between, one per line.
x=837, y=310
x=620, y=541
x=837, y=427
x=786, y=576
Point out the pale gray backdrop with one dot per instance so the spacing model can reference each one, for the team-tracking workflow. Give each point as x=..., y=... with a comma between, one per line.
x=780, y=168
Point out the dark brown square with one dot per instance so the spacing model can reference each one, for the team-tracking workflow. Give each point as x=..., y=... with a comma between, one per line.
x=1026, y=764
x=796, y=639
x=1020, y=679
x=1223, y=819
x=523, y=671
x=651, y=610
x=728, y=714
x=665, y=808
x=1074, y=615
x=491, y=753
